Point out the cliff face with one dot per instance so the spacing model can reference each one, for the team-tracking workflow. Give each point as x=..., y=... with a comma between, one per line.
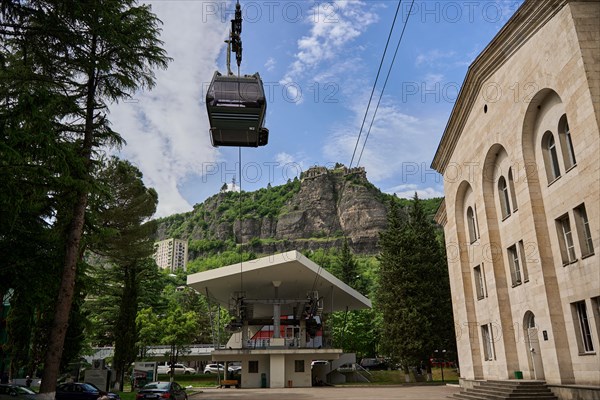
x=323, y=204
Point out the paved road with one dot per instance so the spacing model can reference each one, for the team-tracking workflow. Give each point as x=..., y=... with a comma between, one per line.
x=331, y=393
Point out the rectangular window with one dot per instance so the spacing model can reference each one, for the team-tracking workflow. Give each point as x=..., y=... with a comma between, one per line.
x=596, y=313
x=479, y=276
x=253, y=367
x=488, y=342
x=476, y=222
x=511, y=187
x=472, y=225
x=299, y=365
x=583, y=231
x=565, y=237
x=515, y=265
x=504, y=198
x=584, y=341
x=523, y=259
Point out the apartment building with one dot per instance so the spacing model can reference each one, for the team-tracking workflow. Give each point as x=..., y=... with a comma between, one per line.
x=171, y=254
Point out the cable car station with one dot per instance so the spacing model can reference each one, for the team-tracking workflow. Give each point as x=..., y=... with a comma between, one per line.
x=279, y=306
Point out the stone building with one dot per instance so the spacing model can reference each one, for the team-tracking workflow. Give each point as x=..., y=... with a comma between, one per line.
x=520, y=160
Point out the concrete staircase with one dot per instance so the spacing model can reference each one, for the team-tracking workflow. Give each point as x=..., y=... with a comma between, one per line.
x=507, y=390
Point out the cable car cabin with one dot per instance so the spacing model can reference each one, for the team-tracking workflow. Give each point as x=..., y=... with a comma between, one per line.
x=236, y=111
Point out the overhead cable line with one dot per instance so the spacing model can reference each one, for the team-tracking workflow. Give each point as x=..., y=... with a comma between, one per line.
x=375, y=83
x=241, y=230
x=385, y=83
x=359, y=134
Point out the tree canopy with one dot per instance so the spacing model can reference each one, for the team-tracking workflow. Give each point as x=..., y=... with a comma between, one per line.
x=62, y=63
x=413, y=292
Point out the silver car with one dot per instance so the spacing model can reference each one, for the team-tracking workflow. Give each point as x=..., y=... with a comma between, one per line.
x=214, y=369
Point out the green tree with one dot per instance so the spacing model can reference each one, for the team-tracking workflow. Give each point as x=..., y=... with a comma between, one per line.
x=62, y=61
x=413, y=292
x=31, y=164
x=178, y=323
x=179, y=329
x=125, y=240
x=149, y=333
x=346, y=268
x=89, y=54
x=356, y=331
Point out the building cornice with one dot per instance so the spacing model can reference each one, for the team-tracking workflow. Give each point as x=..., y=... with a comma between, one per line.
x=526, y=21
x=440, y=216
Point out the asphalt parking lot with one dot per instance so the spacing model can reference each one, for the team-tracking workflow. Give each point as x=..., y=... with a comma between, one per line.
x=331, y=393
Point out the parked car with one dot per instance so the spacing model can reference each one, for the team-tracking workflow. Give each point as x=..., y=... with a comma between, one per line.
x=214, y=368
x=234, y=367
x=162, y=390
x=318, y=362
x=374, y=364
x=179, y=369
x=81, y=391
x=13, y=392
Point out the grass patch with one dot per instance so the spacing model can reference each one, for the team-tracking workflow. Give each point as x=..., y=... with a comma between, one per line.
x=395, y=377
x=127, y=395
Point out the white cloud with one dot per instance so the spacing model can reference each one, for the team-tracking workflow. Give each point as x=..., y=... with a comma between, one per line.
x=166, y=129
x=432, y=57
x=407, y=191
x=434, y=78
x=284, y=158
x=294, y=163
x=433, y=81
x=396, y=138
x=333, y=26
x=270, y=64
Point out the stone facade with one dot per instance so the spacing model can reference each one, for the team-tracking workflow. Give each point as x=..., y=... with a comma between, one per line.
x=520, y=160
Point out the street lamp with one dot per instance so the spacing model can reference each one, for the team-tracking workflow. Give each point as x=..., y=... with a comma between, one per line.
x=442, y=353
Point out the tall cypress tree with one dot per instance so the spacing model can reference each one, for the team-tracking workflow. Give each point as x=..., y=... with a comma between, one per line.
x=355, y=331
x=346, y=267
x=413, y=291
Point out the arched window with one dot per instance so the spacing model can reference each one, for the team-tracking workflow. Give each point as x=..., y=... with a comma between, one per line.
x=504, y=197
x=530, y=320
x=472, y=223
x=566, y=143
x=550, y=157
x=513, y=194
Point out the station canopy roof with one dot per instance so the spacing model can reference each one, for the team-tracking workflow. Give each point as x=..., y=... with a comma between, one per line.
x=295, y=275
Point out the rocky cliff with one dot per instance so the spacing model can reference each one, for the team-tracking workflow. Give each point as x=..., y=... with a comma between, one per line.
x=315, y=211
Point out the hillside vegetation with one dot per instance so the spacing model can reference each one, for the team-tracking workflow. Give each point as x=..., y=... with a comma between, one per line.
x=312, y=214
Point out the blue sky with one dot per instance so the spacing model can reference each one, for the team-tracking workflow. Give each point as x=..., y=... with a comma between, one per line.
x=318, y=61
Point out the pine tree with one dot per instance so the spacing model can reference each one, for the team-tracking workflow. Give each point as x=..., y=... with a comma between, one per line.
x=346, y=267
x=413, y=291
x=126, y=242
x=83, y=56
x=354, y=331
